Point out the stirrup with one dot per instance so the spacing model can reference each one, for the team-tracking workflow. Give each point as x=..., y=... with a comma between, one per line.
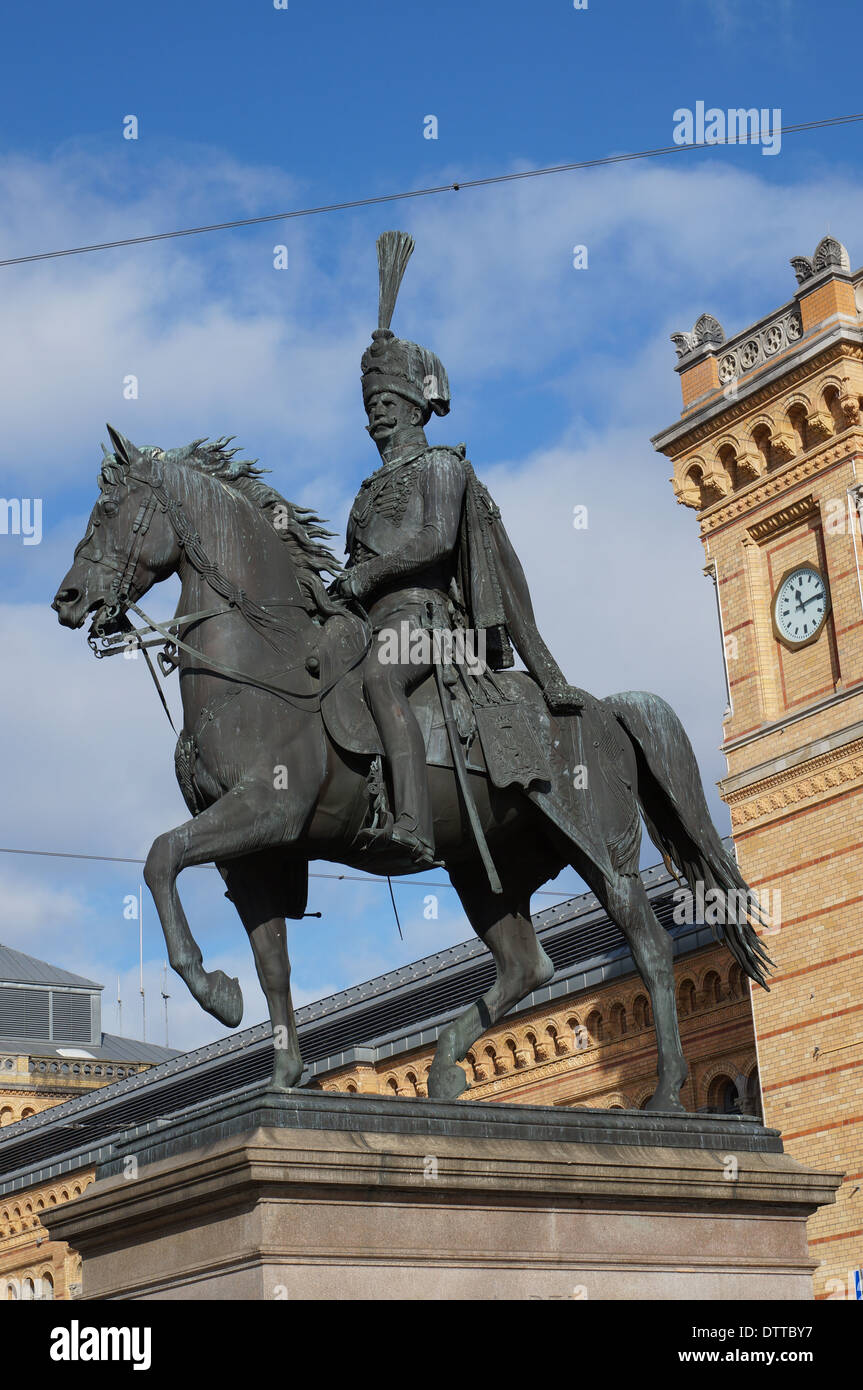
x=420, y=851
x=417, y=853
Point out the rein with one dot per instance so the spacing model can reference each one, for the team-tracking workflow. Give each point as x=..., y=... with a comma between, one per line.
x=258, y=617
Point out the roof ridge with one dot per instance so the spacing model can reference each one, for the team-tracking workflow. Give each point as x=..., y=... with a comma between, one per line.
x=45, y=974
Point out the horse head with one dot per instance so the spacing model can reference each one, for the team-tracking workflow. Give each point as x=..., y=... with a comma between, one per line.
x=129, y=544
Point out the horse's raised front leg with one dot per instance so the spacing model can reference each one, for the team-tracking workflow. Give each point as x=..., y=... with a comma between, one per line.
x=244, y=820
x=256, y=888
x=504, y=925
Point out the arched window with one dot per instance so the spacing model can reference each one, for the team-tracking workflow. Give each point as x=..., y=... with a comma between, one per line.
x=47, y=1289
x=761, y=440
x=28, y=1292
x=831, y=400
x=797, y=418
x=722, y=1097
x=618, y=1020
x=752, y=1100
x=686, y=998
x=641, y=1011
x=712, y=988
x=728, y=460
x=594, y=1026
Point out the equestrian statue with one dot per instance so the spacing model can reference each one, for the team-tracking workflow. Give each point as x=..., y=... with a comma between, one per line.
x=378, y=722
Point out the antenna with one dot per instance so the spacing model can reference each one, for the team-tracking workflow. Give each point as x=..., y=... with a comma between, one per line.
x=141, y=962
x=119, y=1009
x=166, y=997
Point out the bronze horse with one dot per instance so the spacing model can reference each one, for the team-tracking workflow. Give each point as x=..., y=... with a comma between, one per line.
x=270, y=787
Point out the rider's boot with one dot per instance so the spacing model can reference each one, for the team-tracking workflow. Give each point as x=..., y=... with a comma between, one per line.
x=405, y=832
x=412, y=829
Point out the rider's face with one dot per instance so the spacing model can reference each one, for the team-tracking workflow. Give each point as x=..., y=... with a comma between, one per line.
x=387, y=413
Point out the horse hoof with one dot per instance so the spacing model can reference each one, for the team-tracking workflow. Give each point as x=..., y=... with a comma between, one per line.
x=664, y=1103
x=285, y=1077
x=226, y=999
x=447, y=1082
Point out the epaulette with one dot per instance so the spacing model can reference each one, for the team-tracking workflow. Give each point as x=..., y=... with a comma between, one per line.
x=460, y=450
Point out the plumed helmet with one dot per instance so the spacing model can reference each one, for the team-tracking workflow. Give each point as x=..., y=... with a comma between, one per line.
x=391, y=363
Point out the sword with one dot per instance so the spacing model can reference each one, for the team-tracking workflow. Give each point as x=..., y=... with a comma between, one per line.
x=463, y=781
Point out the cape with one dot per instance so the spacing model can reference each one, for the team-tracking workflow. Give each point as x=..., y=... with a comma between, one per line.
x=485, y=563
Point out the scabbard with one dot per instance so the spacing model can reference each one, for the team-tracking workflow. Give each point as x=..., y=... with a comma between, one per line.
x=462, y=777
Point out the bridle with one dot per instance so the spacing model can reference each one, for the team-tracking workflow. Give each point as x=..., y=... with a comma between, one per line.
x=112, y=615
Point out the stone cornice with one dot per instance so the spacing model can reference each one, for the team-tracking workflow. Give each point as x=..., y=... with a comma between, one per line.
x=818, y=777
x=793, y=763
x=718, y=415
x=785, y=517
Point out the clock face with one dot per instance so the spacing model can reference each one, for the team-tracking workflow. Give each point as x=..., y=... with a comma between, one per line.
x=800, y=606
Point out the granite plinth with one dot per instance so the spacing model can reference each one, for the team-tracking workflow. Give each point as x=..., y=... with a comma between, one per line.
x=311, y=1195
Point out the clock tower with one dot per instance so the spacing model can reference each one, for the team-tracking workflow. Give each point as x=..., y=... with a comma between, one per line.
x=768, y=452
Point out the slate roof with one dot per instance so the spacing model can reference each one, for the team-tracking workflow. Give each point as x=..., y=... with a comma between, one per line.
x=112, y=1048
x=18, y=968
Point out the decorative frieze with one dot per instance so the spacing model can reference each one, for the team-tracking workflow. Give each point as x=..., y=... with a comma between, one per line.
x=791, y=515
x=744, y=354
x=795, y=787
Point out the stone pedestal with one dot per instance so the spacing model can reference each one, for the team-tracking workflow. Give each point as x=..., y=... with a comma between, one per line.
x=315, y=1195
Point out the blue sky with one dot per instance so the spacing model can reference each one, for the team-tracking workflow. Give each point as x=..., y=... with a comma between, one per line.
x=559, y=376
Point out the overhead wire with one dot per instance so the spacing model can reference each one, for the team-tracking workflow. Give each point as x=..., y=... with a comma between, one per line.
x=456, y=187
x=352, y=878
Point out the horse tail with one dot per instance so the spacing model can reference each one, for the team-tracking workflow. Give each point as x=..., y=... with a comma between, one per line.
x=678, y=821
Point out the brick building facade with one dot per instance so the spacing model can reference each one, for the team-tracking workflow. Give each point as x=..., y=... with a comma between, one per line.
x=52, y=1050
x=768, y=453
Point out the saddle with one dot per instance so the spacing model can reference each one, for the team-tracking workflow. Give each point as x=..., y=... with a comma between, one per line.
x=506, y=731
x=503, y=731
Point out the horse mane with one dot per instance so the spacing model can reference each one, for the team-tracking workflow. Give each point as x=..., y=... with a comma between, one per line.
x=300, y=528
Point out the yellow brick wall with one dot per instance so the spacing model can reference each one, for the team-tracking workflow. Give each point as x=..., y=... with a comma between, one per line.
x=833, y=297
x=795, y=760
x=31, y=1264
x=699, y=380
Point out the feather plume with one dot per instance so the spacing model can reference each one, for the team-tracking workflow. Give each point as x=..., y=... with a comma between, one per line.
x=394, y=251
